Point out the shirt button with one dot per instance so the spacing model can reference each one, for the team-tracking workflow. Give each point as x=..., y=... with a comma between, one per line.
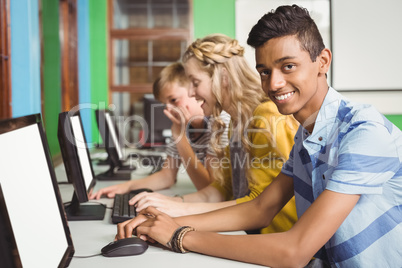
x=320, y=138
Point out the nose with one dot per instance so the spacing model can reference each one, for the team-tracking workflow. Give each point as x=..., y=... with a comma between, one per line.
x=277, y=80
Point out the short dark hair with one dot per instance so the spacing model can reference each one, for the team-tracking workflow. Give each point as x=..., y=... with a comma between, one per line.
x=284, y=21
x=173, y=73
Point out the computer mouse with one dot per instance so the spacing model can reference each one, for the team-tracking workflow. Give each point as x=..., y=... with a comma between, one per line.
x=125, y=247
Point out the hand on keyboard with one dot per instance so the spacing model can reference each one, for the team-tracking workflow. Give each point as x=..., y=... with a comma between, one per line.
x=122, y=211
x=110, y=191
x=173, y=206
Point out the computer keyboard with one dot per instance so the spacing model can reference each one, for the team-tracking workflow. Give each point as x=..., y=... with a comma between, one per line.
x=121, y=210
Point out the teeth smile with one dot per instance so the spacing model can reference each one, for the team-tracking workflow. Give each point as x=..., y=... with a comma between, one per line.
x=284, y=96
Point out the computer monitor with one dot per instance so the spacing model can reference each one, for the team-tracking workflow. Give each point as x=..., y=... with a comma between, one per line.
x=9, y=255
x=157, y=123
x=31, y=195
x=113, y=143
x=78, y=167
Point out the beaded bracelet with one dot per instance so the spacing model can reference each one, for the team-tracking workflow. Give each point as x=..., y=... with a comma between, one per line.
x=181, y=236
x=176, y=242
x=172, y=242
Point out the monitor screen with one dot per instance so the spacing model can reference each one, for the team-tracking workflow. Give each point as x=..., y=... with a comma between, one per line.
x=109, y=134
x=113, y=143
x=32, y=196
x=82, y=151
x=78, y=167
x=156, y=121
x=113, y=135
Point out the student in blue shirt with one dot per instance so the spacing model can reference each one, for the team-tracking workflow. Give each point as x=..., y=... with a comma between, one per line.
x=345, y=170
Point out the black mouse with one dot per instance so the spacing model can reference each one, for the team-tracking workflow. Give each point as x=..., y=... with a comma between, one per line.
x=125, y=247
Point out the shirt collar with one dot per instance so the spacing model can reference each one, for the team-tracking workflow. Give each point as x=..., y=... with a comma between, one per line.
x=325, y=118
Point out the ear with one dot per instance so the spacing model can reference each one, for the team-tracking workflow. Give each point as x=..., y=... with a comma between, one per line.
x=325, y=59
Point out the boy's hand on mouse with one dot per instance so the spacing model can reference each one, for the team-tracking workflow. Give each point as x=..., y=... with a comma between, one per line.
x=127, y=228
x=159, y=226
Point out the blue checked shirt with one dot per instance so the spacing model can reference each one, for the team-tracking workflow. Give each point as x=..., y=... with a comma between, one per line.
x=353, y=150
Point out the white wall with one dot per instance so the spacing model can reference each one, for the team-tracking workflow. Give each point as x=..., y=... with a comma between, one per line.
x=366, y=42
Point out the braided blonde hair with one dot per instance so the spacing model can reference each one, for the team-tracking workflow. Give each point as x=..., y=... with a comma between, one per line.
x=217, y=52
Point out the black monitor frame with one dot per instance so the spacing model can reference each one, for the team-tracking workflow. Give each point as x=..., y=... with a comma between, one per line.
x=9, y=254
x=157, y=121
x=35, y=119
x=75, y=210
x=112, y=141
x=112, y=148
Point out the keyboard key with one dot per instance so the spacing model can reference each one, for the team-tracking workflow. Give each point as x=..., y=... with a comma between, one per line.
x=122, y=211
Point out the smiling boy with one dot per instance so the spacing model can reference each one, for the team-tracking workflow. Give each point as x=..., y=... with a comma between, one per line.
x=344, y=170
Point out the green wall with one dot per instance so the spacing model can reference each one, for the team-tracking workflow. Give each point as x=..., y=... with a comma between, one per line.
x=211, y=16
x=395, y=119
x=98, y=58
x=52, y=64
x=51, y=72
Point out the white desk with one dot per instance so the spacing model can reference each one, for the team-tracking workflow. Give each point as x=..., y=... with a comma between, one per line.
x=90, y=236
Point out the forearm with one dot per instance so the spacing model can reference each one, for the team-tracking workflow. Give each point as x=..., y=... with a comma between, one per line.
x=251, y=215
x=208, y=199
x=198, y=208
x=231, y=218
x=273, y=250
x=198, y=174
x=208, y=194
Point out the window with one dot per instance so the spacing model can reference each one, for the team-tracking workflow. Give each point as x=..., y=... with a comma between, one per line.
x=144, y=37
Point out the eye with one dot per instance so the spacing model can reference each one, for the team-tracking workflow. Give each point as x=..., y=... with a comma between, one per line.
x=288, y=67
x=172, y=100
x=264, y=74
x=195, y=83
